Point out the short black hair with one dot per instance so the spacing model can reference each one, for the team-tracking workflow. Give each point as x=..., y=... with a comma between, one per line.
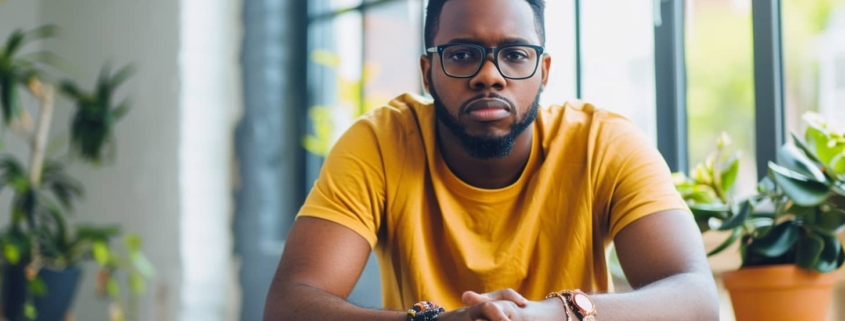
x=435, y=7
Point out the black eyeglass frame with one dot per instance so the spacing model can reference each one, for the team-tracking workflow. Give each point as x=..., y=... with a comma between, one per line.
x=487, y=50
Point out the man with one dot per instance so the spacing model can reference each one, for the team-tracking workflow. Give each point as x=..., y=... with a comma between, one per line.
x=483, y=203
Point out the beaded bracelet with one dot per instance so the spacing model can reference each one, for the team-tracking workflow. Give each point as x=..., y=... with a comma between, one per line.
x=424, y=311
x=566, y=308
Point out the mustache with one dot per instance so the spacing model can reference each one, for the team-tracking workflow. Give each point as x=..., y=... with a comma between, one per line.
x=491, y=95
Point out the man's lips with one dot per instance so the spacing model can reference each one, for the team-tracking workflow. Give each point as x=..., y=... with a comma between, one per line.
x=488, y=104
x=488, y=110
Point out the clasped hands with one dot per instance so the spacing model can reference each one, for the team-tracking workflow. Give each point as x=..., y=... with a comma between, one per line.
x=504, y=305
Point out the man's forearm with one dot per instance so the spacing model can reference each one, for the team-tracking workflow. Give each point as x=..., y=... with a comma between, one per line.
x=301, y=302
x=687, y=296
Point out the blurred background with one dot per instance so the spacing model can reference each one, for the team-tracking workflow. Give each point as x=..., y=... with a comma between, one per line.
x=235, y=103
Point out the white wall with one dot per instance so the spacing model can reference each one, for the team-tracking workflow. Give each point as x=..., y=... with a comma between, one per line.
x=171, y=178
x=16, y=14
x=141, y=189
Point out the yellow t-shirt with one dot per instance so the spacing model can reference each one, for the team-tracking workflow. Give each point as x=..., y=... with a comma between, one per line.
x=590, y=173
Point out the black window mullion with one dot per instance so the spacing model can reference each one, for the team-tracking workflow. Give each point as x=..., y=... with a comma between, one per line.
x=670, y=78
x=768, y=82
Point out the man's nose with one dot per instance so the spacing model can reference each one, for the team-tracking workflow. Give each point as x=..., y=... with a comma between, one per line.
x=488, y=76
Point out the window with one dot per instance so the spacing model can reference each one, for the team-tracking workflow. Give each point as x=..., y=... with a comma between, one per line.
x=360, y=55
x=720, y=83
x=618, y=59
x=814, y=60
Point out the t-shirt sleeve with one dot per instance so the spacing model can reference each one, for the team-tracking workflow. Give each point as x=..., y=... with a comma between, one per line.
x=350, y=188
x=635, y=179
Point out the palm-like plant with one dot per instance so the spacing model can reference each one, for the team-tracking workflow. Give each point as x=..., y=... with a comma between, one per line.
x=39, y=235
x=16, y=69
x=91, y=129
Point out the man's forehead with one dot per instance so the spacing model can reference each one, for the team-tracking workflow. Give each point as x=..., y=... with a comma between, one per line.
x=491, y=22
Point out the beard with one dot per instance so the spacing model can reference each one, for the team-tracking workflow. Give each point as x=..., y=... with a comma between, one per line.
x=488, y=146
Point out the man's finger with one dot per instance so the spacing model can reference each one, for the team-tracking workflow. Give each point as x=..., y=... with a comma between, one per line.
x=471, y=298
x=489, y=311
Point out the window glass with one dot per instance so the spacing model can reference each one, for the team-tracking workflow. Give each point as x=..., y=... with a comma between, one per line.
x=618, y=58
x=814, y=60
x=720, y=83
x=392, y=48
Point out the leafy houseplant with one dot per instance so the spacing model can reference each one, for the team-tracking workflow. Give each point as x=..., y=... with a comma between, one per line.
x=794, y=217
x=40, y=251
x=806, y=193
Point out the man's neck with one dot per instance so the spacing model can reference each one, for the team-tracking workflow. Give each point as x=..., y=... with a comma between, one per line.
x=485, y=173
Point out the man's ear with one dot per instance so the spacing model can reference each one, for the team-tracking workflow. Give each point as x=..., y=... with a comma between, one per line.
x=425, y=69
x=547, y=65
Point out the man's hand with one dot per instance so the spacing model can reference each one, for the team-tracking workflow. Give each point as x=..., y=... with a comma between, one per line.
x=471, y=298
x=504, y=305
x=487, y=311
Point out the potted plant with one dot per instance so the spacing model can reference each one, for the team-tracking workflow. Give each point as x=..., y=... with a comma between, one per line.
x=786, y=232
x=41, y=252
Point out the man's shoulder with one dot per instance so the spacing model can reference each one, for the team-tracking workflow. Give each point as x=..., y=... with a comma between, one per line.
x=404, y=112
x=579, y=111
x=581, y=118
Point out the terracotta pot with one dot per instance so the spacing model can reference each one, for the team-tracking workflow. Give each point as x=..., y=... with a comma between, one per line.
x=779, y=292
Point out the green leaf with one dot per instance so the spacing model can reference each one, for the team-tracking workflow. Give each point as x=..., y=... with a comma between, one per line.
x=113, y=288
x=8, y=98
x=101, y=252
x=729, y=174
x=736, y=219
x=11, y=252
x=140, y=262
x=37, y=287
x=72, y=90
x=794, y=159
x=799, y=188
x=42, y=32
x=808, y=249
x=120, y=110
x=13, y=43
x=93, y=233
x=703, y=212
x=700, y=197
x=806, y=213
x=137, y=284
x=809, y=152
x=818, y=140
x=133, y=242
x=121, y=75
x=829, y=258
x=831, y=220
x=735, y=234
x=29, y=311
x=766, y=185
x=777, y=241
x=702, y=175
x=839, y=188
x=837, y=164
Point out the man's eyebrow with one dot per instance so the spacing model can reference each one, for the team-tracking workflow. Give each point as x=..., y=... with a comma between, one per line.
x=506, y=41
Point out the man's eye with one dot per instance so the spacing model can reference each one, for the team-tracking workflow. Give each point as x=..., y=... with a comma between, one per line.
x=516, y=55
x=462, y=55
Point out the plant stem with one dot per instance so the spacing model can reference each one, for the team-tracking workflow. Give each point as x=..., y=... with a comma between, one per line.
x=45, y=94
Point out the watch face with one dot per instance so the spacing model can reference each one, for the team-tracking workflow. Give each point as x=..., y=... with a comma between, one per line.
x=583, y=302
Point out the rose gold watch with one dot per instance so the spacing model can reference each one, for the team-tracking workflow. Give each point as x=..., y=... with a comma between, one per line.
x=583, y=306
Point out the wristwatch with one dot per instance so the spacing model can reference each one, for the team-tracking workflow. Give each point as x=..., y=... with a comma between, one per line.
x=583, y=306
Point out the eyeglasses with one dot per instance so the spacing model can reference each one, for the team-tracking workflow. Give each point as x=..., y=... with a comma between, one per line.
x=465, y=60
